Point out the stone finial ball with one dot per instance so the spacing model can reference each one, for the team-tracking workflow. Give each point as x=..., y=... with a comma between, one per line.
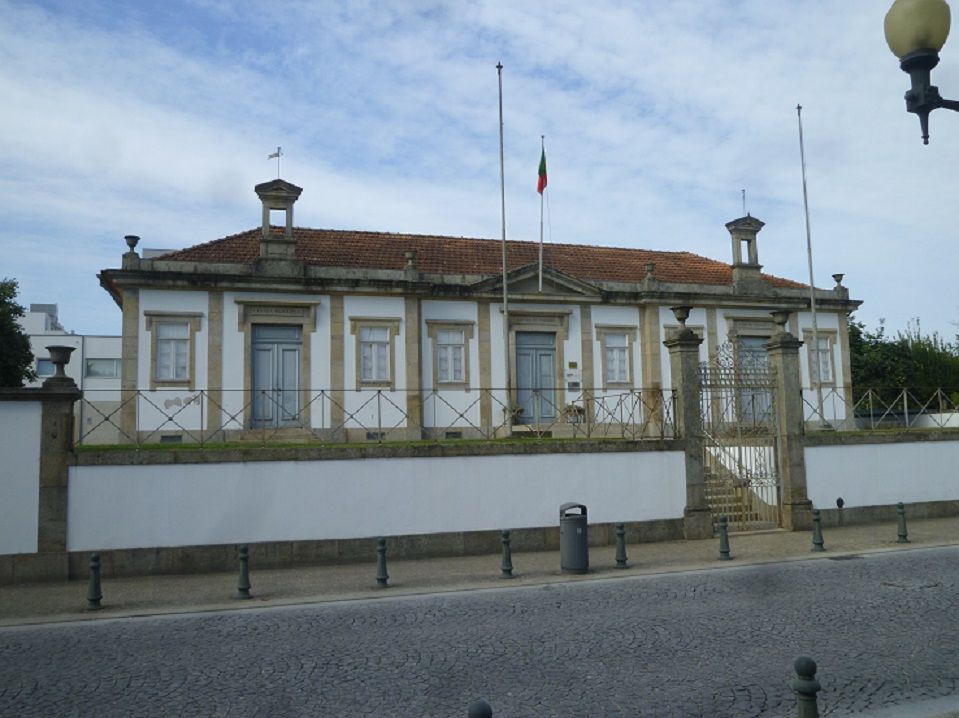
x=805, y=667
x=480, y=709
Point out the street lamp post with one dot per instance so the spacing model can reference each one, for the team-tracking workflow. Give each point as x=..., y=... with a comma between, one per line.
x=915, y=31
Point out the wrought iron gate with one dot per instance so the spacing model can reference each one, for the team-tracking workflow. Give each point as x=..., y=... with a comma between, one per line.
x=740, y=457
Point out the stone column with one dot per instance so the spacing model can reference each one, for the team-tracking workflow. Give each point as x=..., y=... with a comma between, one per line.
x=783, y=349
x=56, y=442
x=684, y=367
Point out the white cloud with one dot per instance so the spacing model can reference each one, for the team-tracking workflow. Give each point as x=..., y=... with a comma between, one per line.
x=121, y=120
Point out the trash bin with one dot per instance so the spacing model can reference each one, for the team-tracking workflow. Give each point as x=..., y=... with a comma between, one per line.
x=573, y=545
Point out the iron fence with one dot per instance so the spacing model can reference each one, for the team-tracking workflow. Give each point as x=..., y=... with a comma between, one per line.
x=873, y=410
x=215, y=416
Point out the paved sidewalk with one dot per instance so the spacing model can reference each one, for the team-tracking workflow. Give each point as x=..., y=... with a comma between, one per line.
x=155, y=595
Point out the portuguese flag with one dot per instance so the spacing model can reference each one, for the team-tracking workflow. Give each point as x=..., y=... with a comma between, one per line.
x=541, y=183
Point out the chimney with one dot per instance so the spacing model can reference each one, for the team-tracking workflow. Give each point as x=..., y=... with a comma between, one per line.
x=278, y=195
x=746, y=266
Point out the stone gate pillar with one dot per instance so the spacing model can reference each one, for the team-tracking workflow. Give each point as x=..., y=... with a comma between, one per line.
x=683, y=349
x=783, y=349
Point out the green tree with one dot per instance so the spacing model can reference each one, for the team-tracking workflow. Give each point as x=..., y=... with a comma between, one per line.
x=16, y=359
x=910, y=360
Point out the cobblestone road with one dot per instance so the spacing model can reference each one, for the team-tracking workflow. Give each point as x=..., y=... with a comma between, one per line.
x=883, y=628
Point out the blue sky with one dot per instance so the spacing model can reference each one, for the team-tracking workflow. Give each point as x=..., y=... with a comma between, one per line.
x=156, y=118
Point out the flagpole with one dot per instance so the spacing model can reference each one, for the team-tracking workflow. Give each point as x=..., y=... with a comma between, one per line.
x=542, y=139
x=814, y=356
x=502, y=186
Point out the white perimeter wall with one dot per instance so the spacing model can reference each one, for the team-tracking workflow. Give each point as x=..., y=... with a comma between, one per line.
x=874, y=474
x=145, y=506
x=19, y=475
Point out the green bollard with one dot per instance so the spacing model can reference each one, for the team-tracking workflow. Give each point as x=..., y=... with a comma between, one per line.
x=382, y=577
x=817, y=542
x=901, y=515
x=724, y=539
x=805, y=686
x=479, y=709
x=243, y=586
x=506, y=567
x=621, y=559
x=94, y=594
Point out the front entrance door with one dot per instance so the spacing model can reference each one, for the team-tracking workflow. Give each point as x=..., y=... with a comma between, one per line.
x=276, y=375
x=536, y=376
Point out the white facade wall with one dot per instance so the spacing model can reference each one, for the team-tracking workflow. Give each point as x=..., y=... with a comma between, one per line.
x=20, y=424
x=611, y=404
x=172, y=409
x=374, y=409
x=114, y=507
x=875, y=474
x=447, y=407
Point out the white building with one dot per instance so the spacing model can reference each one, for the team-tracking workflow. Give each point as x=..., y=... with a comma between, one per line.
x=363, y=335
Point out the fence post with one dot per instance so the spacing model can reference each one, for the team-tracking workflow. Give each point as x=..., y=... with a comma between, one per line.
x=806, y=687
x=724, y=539
x=683, y=349
x=783, y=351
x=817, y=542
x=243, y=585
x=382, y=577
x=479, y=709
x=506, y=566
x=94, y=594
x=901, y=516
x=621, y=559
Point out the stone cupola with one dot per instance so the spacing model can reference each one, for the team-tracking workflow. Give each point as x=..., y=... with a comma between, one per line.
x=277, y=196
x=746, y=266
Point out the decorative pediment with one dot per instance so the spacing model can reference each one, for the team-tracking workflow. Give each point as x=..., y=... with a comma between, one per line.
x=525, y=280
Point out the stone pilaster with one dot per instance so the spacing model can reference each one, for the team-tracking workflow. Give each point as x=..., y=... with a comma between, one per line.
x=337, y=372
x=129, y=365
x=412, y=335
x=783, y=351
x=684, y=366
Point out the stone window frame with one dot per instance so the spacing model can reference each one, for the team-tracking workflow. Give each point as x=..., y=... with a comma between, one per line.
x=265, y=311
x=630, y=330
x=433, y=327
x=831, y=336
x=393, y=325
x=758, y=327
x=193, y=321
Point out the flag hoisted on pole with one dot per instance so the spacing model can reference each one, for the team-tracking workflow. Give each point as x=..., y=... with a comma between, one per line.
x=502, y=184
x=276, y=156
x=541, y=188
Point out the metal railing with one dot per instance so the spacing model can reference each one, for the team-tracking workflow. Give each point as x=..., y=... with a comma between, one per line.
x=216, y=416
x=874, y=410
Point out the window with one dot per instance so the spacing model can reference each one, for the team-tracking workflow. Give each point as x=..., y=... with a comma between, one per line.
x=44, y=367
x=616, y=356
x=450, y=365
x=820, y=364
x=375, y=351
x=172, y=351
x=102, y=368
x=374, y=354
x=616, y=349
x=451, y=352
x=172, y=347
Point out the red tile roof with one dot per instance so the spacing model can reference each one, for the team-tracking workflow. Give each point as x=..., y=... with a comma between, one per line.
x=463, y=255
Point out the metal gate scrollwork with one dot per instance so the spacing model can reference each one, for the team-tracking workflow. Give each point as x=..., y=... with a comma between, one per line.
x=740, y=457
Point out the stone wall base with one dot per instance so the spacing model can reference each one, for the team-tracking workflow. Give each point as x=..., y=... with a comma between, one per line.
x=284, y=554
x=887, y=513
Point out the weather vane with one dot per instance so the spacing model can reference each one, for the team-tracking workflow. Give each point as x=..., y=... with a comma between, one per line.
x=276, y=155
